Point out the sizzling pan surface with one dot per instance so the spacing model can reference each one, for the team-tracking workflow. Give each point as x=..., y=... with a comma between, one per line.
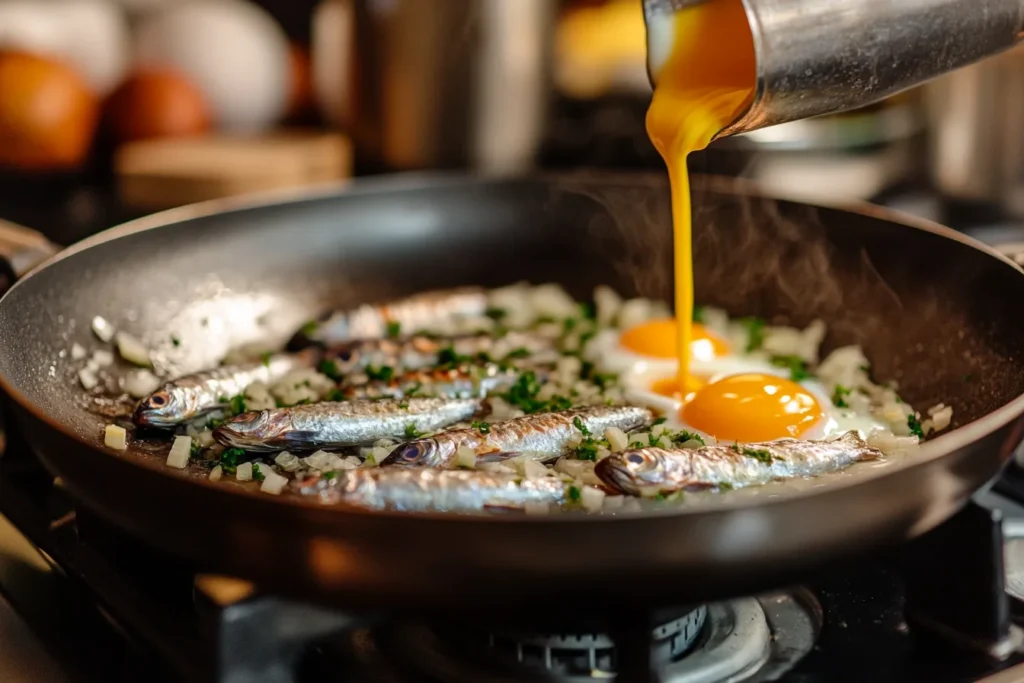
x=933, y=311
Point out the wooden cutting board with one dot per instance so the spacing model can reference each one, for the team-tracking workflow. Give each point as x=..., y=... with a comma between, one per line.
x=158, y=174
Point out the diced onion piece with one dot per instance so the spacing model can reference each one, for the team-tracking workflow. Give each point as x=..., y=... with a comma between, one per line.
x=603, y=453
x=380, y=453
x=141, y=383
x=942, y=418
x=102, y=329
x=115, y=437
x=613, y=502
x=273, y=483
x=78, y=351
x=287, y=462
x=617, y=439
x=205, y=438
x=534, y=470
x=132, y=350
x=465, y=457
x=592, y=498
x=216, y=473
x=321, y=461
x=180, y=451
x=244, y=472
x=88, y=379
x=102, y=357
x=536, y=508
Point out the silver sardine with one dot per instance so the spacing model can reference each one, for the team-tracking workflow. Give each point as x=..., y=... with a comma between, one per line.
x=460, y=382
x=336, y=425
x=410, y=315
x=424, y=489
x=192, y=396
x=650, y=471
x=541, y=437
x=420, y=351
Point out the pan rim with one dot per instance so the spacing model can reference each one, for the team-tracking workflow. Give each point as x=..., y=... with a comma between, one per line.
x=929, y=452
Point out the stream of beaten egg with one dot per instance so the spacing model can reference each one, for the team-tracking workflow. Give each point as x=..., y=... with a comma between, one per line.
x=705, y=84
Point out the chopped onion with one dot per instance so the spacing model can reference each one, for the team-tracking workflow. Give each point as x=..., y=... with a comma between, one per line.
x=115, y=437
x=287, y=462
x=380, y=453
x=495, y=468
x=658, y=430
x=102, y=329
x=101, y=358
x=181, y=449
x=617, y=439
x=132, y=350
x=592, y=498
x=942, y=418
x=78, y=351
x=534, y=470
x=613, y=502
x=273, y=483
x=205, y=438
x=88, y=379
x=141, y=383
x=216, y=473
x=465, y=457
x=536, y=508
x=321, y=461
x=244, y=472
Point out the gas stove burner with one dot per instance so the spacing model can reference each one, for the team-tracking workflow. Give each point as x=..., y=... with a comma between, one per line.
x=575, y=656
x=747, y=639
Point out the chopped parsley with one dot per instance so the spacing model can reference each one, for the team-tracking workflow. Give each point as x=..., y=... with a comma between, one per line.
x=725, y=486
x=574, y=494
x=523, y=395
x=413, y=390
x=382, y=373
x=698, y=314
x=394, y=329
x=265, y=358
x=329, y=367
x=175, y=340
x=755, y=332
x=328, y=475
x=521, y=352
x=482, y=427
x=496, y=314
x=587, y=310
x=411, y=432
x=230, y=458
x=335, y=395
x=589, y=446
x=256, y=473
x=758, y=454
x=310, y=328
x=404, y=405
x=659, y=421
x=839, y=396
x=578, y=424
x=238, y=405
x=637, y=444
x=683, y=436
x=194, y=450
x=915, y=426
x=796, y=365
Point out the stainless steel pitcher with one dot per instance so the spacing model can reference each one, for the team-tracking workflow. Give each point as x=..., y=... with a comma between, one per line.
x=825, y=56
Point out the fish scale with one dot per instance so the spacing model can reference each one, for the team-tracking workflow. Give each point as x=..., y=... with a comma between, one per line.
x=542, y=437
x=645, y=471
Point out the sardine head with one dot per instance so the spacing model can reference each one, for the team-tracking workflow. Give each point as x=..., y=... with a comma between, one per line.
x=418, y=453
x=629, y=472
x=251, y=430
x=161, y=409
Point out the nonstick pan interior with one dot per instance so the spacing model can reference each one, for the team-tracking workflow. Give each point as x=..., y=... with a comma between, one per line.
x=933, y=313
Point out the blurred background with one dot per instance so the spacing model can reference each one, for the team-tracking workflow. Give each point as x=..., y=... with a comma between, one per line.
x=111, y=109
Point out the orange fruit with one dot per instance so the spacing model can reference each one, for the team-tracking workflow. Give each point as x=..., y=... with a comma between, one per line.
x=155, y=104
x=47, y=113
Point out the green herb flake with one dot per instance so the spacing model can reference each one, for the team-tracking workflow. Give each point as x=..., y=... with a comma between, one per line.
x=496, y=314
x=329, y=475
x=758, y=454
x=265, y=358
x=175, y=340
x=558, y=403
x=637, y=444
x=797, y=367
x=383, y=373
x=915, y=426
x=587, y=310
x=682, y=436
x=482, y=427
x=574, y=494
x=698, y=314
x=839, y=396
x=256, y=473
x=194, y=450
x=394, y=329
x=725, y=486
x=329, y=367
x=404, y=405
x=578, y=424
x=335, y=395
x=521, y=352
x=411, y=432
x=230, y=458
x=755, y=332
x=659, y=421
x=310, y=327
x=238, y=405
x=414, y=390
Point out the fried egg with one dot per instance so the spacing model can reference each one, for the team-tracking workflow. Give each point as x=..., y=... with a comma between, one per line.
x=729, y=396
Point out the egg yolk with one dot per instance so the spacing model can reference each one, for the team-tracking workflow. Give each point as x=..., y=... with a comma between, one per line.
x=658, y=339
x=669, y=386
x=752, y=407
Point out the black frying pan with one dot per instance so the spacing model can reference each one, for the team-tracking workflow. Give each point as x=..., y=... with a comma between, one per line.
x=933, y=310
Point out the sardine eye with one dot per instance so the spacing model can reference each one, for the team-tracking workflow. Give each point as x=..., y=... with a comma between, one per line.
x=158, y=400
x=412, y=453
x=635, y=458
